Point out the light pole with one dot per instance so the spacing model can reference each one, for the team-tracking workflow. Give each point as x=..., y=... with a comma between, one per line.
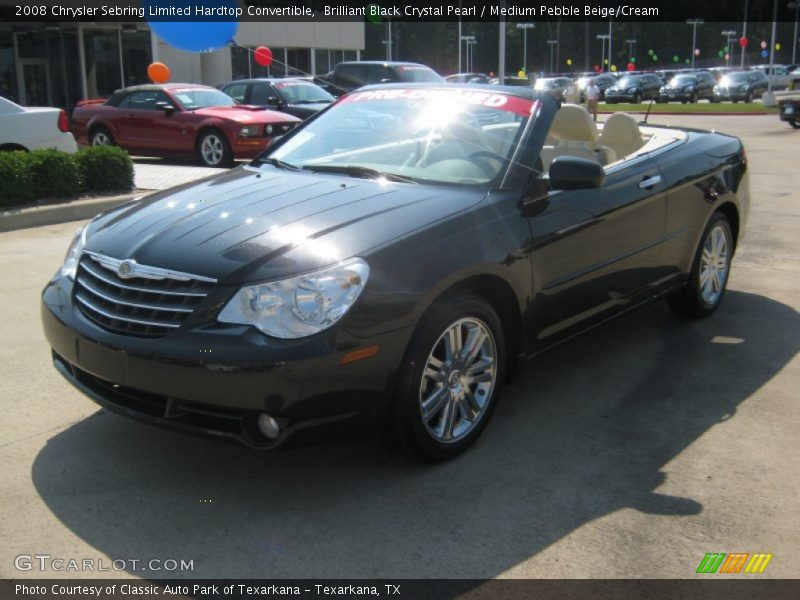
x=469, y=39
x=471, y=53
x=388, y=42
x=631, y=46
x=525, y=27
x=604, y=37
x=796, y=6
x=729, y=35
x=744, y=29
x=694, y=23
x=553, y=44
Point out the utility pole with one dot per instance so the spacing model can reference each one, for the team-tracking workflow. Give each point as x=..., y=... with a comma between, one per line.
x=631, y=46
x=744, y=29
x=729, y=35
x=796, y=6
x=694, y=23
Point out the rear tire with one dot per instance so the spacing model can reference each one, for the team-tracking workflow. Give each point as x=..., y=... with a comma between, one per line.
x=101, y=136
x=710, y=270
x=213, y=149
x=794, y=123
x=450, y=378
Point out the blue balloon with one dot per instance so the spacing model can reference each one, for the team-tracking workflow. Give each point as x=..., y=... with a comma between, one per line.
x=205, y=33
x=765, y=53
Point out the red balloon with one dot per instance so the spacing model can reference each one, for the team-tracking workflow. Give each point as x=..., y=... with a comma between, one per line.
x=743, y=42
x=263, y=56
x=631, y=67
x=597, y=68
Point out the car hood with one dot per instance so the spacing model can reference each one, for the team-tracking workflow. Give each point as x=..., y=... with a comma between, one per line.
x=252, y=224
x=245, y=114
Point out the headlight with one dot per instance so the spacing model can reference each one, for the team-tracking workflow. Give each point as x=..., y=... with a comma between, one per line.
x=662, y=89
x=689, y=88
x=743, y=88
x=73, y=257
x=631, y=90
x=268, y=130
x=248, y=131
x=300, y=306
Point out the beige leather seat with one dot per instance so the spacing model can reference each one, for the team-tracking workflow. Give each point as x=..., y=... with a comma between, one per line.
x=621, y=133
x=575, y=134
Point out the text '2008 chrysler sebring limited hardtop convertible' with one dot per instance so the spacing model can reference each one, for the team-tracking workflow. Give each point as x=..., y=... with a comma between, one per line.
x=393, y=258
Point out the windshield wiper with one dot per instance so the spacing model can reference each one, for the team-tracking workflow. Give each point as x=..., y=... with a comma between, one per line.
x=277, y=162
x=356, y=171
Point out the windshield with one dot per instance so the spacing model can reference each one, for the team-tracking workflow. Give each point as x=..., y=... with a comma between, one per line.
x=628, y=81
x=302, y=92
x=427, y=135
x=192, y=99
x=683, y=80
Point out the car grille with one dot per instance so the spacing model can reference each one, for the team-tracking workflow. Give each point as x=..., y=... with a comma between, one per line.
x=126, y=297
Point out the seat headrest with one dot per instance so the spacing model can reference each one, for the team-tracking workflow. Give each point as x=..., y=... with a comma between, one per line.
x=621, y=128
x=573, y=122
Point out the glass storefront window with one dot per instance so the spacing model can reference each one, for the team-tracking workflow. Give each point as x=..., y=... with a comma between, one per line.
x=103, y=72
x=137, y=54
x=8, y=69
x=240, y=63
x=298, y=62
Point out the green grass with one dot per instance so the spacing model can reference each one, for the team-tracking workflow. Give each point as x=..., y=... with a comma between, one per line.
x=690, y=109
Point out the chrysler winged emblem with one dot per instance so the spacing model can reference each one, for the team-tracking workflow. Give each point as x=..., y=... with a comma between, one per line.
x=125, y=268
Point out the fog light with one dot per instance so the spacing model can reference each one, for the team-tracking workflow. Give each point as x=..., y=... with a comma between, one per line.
x=268, y=426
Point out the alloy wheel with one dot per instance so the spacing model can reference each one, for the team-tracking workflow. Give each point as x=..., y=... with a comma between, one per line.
x=101, y=139
x=714, y=265
x=458, y=380
x=212, y=149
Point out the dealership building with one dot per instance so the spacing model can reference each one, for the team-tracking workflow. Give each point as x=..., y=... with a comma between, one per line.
x=57, y=64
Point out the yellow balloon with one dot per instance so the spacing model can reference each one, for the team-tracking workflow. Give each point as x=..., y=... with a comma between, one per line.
x=614, y=68
x=569, y=61
x=521, y=74
x=777, y=46
x=605, y=60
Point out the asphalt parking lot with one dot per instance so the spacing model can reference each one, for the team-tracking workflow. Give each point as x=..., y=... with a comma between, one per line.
x=630, y=452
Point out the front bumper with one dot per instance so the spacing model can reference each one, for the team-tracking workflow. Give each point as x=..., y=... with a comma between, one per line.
x=215, y=378
x=675, y=96
x=730, y=95
x=249, y=147
x=619, y=97
x=789, y=111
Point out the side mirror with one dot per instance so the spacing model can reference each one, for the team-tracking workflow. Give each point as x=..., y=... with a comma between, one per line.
x=167, y=108
x=573, y=173
x=274, y=101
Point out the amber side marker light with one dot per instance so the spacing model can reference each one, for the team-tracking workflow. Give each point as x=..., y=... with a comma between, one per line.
x=360, y=354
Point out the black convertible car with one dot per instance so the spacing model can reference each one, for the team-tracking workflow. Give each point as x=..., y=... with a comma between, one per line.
x=392, y=259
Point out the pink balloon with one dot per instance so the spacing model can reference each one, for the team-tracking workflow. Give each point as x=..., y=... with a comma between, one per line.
x=263, y=56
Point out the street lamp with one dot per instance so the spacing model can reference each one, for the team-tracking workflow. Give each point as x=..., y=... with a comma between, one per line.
x=553, y=44
x=729, y=35
x=525, y=27
x=388, y=42
x=604, y=37
x=631, y=46
x=469, y=39
x=796, y=7
x=694, y=23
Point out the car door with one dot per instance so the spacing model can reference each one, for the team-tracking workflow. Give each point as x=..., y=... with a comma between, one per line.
x=595, y=252
x=135, y=120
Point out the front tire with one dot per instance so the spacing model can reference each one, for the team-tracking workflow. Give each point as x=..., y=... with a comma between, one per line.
x=794, y=123
x=637, y=99
x=213, y=149
x=448, y=384
x=710, y=269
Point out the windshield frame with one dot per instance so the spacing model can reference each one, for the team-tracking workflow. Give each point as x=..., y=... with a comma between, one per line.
x=521, y=137
x=279, y=86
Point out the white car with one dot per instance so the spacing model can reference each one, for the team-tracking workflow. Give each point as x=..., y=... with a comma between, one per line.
x=30, y=128
x=779, y=76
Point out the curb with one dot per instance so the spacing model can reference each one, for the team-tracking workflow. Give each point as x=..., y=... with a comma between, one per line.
x=51, y=214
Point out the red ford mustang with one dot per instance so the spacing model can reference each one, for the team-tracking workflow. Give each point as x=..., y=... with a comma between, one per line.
x=179, y=119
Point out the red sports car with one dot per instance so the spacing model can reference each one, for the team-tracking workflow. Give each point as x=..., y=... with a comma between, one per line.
x=179, y=119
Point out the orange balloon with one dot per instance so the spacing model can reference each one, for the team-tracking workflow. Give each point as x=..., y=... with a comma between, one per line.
x=158, y=72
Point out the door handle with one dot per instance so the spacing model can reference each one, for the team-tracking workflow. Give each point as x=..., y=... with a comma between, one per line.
x=650, y=182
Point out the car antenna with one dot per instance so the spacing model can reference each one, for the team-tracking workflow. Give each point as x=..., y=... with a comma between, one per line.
x=647, y=114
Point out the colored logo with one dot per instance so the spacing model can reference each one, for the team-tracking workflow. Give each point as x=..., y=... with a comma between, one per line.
x=737, y=562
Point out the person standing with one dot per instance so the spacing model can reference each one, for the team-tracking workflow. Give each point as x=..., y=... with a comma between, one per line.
x=592, y=98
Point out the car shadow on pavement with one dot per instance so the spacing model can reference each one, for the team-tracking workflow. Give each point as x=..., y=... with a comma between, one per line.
x=584, y=431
